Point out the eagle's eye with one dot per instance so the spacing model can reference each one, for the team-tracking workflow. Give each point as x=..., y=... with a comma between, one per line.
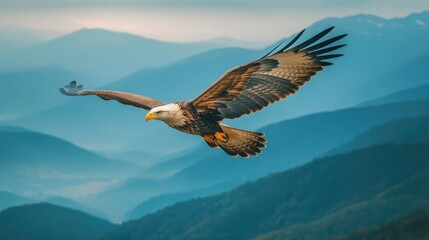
x=160, y=112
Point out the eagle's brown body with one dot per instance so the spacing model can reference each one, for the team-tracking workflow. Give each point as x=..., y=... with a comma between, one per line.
x=207, y=125
x=197, y=123
x=242, y=90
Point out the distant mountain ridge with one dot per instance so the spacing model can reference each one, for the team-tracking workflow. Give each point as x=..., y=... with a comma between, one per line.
x=401, y=131
x=103, y=55
x=412, y=94
x=410, y=75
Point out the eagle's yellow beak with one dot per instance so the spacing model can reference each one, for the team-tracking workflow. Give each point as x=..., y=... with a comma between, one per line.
x=151, y=116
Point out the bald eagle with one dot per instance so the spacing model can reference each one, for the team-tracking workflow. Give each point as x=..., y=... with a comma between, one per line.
x=241, y=90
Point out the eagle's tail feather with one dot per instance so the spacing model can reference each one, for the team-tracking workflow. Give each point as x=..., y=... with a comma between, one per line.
x=240, y=142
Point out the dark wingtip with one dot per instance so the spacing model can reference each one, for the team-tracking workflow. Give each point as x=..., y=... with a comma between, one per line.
x=327, y=50
x=313, y=39
x=324, y=43
x=293, y=41
x=324, y=64
x=328, y=30
x=324, y=57
x=266, y=55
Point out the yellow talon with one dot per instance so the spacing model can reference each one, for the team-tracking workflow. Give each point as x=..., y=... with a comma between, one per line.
x=221, y=136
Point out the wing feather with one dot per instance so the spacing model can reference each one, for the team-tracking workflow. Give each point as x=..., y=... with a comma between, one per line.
x=122, y=97
x=251, y=87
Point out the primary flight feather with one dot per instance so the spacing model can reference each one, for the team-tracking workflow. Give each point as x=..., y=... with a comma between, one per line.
x=241, y=90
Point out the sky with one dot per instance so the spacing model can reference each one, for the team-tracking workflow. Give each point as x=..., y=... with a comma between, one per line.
x=188, y=20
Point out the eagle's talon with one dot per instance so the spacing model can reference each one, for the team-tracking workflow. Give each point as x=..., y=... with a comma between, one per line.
x=209, y=138
x=221, y=136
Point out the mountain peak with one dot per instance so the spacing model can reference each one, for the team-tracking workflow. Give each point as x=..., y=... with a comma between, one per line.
x=369, y=24
x=103, y=34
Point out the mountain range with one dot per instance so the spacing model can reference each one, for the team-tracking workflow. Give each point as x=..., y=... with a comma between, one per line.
x=366, y=187
x=101, y=54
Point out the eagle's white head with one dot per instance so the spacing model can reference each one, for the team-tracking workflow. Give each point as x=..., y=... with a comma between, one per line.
x=170, y=113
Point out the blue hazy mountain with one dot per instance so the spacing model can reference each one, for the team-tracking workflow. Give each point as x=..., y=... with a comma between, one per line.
x=26, y=91
x=171, y=165
x=141, y=158
x=68, y=203
x=41, y=165
x=408, y=130
x=355, y=78
x=8, y=199
x=290, y=143
x=102, y=54
x=361, y=188
x=49, y=222
x=157, y=203
x=412, y=94
x=411, y=75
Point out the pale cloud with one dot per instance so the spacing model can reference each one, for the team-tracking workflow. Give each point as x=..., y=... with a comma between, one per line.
x=190, y=20
x=207, y=4
x=169, y=25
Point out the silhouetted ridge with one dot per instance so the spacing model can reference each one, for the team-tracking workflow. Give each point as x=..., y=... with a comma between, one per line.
x=49, y=222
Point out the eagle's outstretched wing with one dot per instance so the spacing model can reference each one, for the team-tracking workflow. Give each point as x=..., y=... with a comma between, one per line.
x=251, y=87
x=123, y=97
